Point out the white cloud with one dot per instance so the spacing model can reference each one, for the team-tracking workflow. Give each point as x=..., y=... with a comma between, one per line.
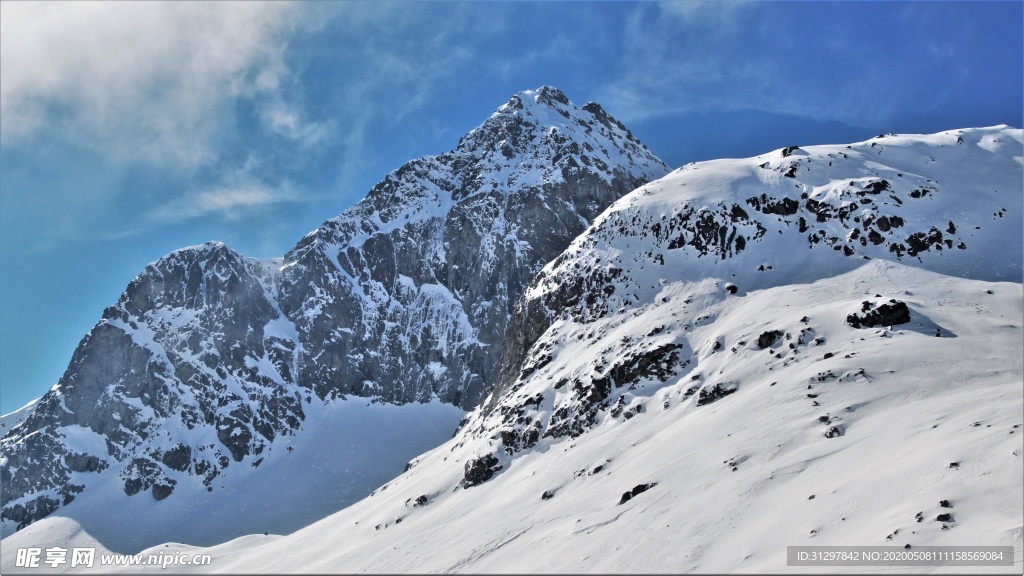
x=679, y=57
x=712, y=13
x=146, y=80
x=237, y=196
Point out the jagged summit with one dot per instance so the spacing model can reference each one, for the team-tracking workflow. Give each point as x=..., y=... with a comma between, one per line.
x=456, y=236
x=543, y=123
x=535, y=140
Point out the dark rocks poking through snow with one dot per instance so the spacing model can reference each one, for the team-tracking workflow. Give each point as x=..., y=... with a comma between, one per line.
x=769, y=205
x=480, y=470
x=715, y=393
x=84, y=463
x=768, y=338
x=30, y=511
x=547, y=495
x=889, y=314
x=637, y=490
x=578, y=412
x=161, y=491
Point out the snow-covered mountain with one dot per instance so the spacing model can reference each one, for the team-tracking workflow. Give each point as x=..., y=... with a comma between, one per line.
x=216, y=378
x=819, y=345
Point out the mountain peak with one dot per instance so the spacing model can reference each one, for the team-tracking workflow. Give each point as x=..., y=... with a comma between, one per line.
x=546, y=96
x=542, y=133
x=210, y=359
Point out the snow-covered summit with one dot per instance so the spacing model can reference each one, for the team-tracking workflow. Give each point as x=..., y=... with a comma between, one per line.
x=534, y=141
x=426, y=269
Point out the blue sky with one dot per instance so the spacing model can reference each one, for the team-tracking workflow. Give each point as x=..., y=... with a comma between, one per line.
x=128, y=130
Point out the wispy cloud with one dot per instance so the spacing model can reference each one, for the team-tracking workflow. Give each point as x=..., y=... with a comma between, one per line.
x=677, y=57
x=230, y=202
x=152, y=81
x=151, y=113
x=812, y=60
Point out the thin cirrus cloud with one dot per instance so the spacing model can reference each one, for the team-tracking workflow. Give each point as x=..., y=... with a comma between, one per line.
x=232, y=201
x=153, y=75
x=860, y=64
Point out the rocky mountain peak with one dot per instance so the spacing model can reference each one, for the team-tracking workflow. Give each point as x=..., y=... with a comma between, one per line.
x=542, y=133
x=210, y=358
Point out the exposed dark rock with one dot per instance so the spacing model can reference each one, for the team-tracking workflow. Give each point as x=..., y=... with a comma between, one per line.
x=888, y=314
x=637, y=490
x=715, y=393
x=768, y=338
x=84, y=463
x=479, y=470
x=29, y=512
x=161, y=491
x=768, y=205
x=178, y=458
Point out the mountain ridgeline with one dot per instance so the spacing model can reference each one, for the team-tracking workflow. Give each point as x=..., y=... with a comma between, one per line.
x=209, y=357
x=641, y=281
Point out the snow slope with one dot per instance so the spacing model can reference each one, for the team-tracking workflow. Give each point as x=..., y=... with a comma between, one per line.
x=322, y=466
x=734, y=478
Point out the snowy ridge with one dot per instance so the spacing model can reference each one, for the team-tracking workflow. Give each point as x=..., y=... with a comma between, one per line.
x=736, y=226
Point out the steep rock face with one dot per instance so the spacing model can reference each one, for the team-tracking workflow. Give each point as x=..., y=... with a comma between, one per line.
x=191, y=347
x=406, y=295
x=209, y=357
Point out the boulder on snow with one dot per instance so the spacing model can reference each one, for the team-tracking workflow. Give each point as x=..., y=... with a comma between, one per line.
x=637, y=490
x=480, y=470
x=768, y=338
x=715, y=393
x=161, y=491
x=888, y=314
